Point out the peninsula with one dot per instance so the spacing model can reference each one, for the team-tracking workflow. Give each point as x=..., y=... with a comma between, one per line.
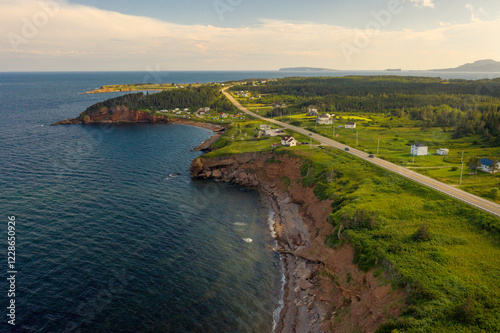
x=481, y=66
x=306, y=69
x=140, y=87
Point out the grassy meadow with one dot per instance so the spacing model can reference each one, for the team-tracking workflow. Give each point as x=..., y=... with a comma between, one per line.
x=445, y=254
x=390, y=138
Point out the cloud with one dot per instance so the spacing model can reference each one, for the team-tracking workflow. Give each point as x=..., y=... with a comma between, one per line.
x=423, y=3
x=76, y=37
x=475, y=12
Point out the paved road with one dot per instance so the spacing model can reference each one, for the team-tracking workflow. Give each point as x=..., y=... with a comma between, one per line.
x=471, y=199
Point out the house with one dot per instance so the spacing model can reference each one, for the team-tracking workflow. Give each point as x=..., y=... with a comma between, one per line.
x=350, y=125
x=203, y=111
x=443, y=151
x=224, y=115
x=486, y=165
x=324, y=119
x=288, y=141
x=418, y=150
x=313, y=112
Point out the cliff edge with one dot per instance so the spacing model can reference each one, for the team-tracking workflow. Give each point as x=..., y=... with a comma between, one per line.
x=324, y=290
x=114, y=115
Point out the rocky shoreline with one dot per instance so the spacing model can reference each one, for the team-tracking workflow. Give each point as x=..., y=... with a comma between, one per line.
x=324, y=291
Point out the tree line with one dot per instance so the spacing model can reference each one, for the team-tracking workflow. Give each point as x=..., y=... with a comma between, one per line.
x=469, y=107
x=189, y=97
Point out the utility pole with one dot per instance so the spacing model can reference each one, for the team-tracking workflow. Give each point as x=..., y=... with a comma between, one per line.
x=333, y=131
x=357, y=141
x=378, y=146
x=462, y=171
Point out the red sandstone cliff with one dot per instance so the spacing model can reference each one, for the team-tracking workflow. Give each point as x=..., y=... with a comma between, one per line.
x=324, y=291
x=114, y=115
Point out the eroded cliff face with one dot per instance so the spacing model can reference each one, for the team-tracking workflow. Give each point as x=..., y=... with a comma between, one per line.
x=114, y=115
x=324, y=291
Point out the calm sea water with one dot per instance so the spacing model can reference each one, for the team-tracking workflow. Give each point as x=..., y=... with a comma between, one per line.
x=109, y=238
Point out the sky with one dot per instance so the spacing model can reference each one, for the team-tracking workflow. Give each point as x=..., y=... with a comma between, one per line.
x=112, y=35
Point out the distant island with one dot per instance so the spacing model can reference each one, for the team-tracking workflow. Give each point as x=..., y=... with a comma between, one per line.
x=487, y=65
x=306, y=69
x=393, y=70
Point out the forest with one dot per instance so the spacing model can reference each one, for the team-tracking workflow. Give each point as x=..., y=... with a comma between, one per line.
x=469, y=107
x=189, y=97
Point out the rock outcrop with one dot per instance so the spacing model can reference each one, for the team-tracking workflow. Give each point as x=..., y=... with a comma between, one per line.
x=114, y=115
x=324, y=290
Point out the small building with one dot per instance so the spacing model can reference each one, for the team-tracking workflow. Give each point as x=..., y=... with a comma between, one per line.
x=224, y=115
x=264, y=127
x=350, y=125
x=486, y=165
x=418, y=150
x=313, y=112
x=324, y=119
x=443, y=151
x=203, y=111
x=288, y=141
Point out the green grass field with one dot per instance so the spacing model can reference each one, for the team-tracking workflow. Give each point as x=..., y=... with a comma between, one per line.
x=390, y=138
x=452, y=275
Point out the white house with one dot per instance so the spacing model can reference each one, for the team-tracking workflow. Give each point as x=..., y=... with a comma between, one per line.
x=313, y=112
x=288, y=141
x=418, y=150
x=443, y=151
x=350, y=125
x=486, y=164
x=324, y=119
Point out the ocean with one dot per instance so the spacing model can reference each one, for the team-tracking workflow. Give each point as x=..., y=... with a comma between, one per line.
x=112, y=234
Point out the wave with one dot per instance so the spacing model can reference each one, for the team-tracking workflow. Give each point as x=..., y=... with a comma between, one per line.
x=247, y=240
x=240, y=224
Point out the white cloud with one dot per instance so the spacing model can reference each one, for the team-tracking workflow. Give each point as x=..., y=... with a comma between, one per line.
x=86, y=38
x=423, y=3
x=475, y=12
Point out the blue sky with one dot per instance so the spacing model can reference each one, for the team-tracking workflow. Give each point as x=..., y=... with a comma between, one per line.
x=245, y=35
x=353, y=14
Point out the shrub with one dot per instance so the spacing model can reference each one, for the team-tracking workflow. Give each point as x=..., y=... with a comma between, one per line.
x=494, y=193
x=423, y=234
x=466, y=311
x=361, y=219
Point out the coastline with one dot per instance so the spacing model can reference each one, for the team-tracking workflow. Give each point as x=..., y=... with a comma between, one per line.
x=302, y=310
x=306, y=298
x=324, y=290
